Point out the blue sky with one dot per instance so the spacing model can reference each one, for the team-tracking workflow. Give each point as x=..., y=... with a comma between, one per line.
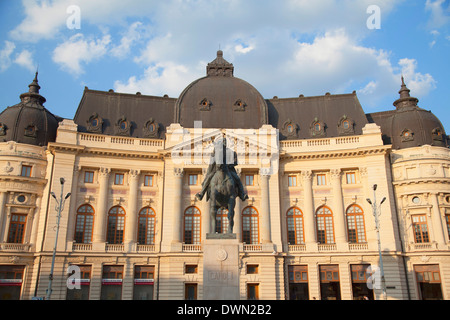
x=283, y=48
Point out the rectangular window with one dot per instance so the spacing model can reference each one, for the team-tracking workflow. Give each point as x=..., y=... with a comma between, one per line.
x=118, y=179
x=351, y=177
x=360, y=275
x=112, y=283
x=292, y=181
x=420, y=228
x=193, y=179
x=81, y=292
x=26, y=171
x=11, y=277
x=252, y=268
x=143, y=282
x=329, y=282
x=429, y=282
x=190, y=291
x=88, y=177
x=298, y=283
x=321, y=179
x=447, y=218
x=17, y=228
x=191, y=268
x=249, y=179
x=252, y=291
x=148, y=181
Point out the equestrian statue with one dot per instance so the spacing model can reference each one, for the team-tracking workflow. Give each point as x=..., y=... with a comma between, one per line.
x=222, y=185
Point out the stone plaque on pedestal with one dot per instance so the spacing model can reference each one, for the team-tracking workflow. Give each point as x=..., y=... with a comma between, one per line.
x=221, y=267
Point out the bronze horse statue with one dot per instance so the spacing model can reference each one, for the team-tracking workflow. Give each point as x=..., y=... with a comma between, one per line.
x=222, y=185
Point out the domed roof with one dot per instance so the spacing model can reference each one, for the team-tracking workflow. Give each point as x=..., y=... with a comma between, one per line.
x=28, y=121
x=221, y=100
x=412, y=126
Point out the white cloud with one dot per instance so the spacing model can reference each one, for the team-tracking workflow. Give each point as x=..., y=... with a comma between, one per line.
x=25, y=59
x=5, y=55
x=420, y=84
x=132, y=35
x=162, y=78
x=71, y=54
x=439, y=15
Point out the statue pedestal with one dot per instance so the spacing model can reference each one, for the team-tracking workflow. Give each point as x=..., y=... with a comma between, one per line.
x=221, y=267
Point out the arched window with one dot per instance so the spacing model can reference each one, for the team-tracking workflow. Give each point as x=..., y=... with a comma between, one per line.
x=84, y=224
x=355, y=224
x=325, y=228
x=116, y=225
x=222, y=220
x=192, y=225
x=295, y=226
x=146, y=226
x=250, y=226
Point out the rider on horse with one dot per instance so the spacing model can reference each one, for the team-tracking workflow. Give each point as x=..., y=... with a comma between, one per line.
x=216, y=159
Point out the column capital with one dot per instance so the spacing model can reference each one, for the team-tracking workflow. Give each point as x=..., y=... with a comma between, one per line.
x=104, y=172
x=306, y=174
x=134, y=174
x=178, y=172
x=335, y=173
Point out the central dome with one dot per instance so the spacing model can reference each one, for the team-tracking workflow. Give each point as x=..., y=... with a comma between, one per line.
x=221, y=100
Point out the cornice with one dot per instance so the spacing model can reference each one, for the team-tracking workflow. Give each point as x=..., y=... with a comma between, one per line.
x=336, y=153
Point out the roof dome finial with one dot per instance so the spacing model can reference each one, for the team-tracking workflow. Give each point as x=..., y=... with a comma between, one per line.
x=405, y=101
x=220, y=66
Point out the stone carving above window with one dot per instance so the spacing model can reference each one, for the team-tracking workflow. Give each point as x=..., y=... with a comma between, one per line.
x=151, y=129
x=290, y=129
x=346, y=126
x=239, y=105
x=317, y=128
x=123, y=127
x=31, y=131
x=407, y=135
x=205, y=105
x=437, y=134
x=94, y=124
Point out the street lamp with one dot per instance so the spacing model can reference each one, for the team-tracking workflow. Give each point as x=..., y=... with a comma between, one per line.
x=376, y=214
x=59, y=208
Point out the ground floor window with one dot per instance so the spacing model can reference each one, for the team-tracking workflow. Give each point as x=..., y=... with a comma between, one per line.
x=143, y=282
x=80, y=280
x=298, y=283
x=11, y=282
x=112, y=283
x=428, y=282
x=329, y=282
x=252, y=291
x=360, y=275
x=190, y=291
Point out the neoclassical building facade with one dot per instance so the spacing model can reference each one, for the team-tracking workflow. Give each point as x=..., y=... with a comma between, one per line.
x=132, y=227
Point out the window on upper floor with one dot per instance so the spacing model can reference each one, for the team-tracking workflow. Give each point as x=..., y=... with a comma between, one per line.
x=321, y=179
x=351, y=177
x=88, y=177
x=292, y=181
x=420, y=228
x=118, y=179
x=26, y=171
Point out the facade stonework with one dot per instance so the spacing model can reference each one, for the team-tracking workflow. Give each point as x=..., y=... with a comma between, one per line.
x=133, y=228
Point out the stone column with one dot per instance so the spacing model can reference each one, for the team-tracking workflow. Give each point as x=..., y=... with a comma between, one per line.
x=265, y=207
x=72, y=208
x=238, y=213
x=206, y=218
x=3, y=226
x=308, y=207
x=177, y=202
x=338, y=207
x=99, y=234
x=132, y=212
x=437, y=221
